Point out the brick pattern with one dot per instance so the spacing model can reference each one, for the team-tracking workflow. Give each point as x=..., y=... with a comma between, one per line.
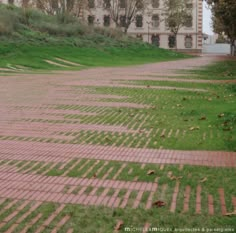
x=37, y=136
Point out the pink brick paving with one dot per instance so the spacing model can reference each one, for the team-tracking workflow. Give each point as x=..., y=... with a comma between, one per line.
x=18, y=102
x=19, y=150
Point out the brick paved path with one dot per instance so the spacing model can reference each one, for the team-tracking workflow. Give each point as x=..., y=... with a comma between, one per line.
x=26, y=98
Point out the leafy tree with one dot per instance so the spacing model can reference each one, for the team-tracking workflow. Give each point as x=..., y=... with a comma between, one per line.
x=123, y=12
x=224, y=19
x=176, y=15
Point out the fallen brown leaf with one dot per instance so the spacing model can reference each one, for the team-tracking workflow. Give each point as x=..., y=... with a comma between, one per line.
x=175, y=177
x=159, y=203
x=119, y=225
x=203, y=180
x=221, y=115
x=230, y=213
x=203, y=118
x=163, y=135
x=194, y=128
x=150, y=172
x=94, y=175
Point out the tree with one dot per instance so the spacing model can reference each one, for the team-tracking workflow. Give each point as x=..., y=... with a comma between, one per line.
x=63, y=7
x=177, y=14
x=123, y=12
x=224, y=19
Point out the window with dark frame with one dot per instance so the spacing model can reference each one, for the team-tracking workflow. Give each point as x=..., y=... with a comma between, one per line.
x=139, y=21
x=91, y=19
x=91, y=4
x=171, y=41
x=139, y=4
x=106, y=20
x=122, y=20
x=189, y=21
x=155, y=21
x=188, y=42
x=155, y=40
x=106, y=4
x=122, y=4
x=155, y=3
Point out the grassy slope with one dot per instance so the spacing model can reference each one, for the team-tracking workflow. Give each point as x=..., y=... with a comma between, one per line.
x=29, y=37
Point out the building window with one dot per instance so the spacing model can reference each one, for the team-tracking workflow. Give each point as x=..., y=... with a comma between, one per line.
x=107, y=4
x=155, y=21
x=189, y=5
x=139, y=36
x=189, y=21
x=188, y=42
x=139, y=4
x=91, y=3
x=139, y=21
x=122, y=20
x=155, y=3
x=106, y=20
x=171, y=41
x=155, y=40
x=91, y=19
x=122, y=4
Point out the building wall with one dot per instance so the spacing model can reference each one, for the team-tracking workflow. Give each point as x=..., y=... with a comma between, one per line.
x=147, y=30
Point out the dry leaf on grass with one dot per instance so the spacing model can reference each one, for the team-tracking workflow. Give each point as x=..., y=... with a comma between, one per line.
x=202, y=118
x=221, y=115
x=230, y=213
x=94, y=175
x=150, y=172
x=203, y=180
x=119, y=225
x=175, y=177
x=159, y=203
x=194, y=128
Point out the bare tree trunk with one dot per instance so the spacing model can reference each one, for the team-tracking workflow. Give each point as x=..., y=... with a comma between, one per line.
x=176, y=45
x=232, y=48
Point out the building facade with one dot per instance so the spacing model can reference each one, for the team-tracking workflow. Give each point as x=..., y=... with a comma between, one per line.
x=149, y=25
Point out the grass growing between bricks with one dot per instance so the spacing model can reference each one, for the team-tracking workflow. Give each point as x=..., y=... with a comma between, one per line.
x=82, y=218
x=210, y=180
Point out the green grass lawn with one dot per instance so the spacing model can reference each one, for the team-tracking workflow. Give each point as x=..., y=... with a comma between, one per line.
x=34, y=56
